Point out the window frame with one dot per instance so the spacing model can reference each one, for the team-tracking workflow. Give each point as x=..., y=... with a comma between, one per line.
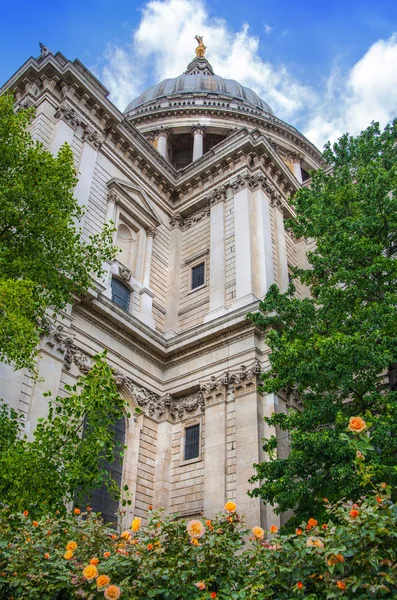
x=186, y=425
x=127, y=287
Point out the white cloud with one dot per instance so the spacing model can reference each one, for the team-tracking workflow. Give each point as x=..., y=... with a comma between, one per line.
x=163, y=44
x=267, y=29
x=232, y=54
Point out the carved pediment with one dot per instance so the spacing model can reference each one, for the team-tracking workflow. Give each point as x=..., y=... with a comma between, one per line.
x=135, y=202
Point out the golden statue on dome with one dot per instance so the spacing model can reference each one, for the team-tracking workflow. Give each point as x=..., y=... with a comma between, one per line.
x=200, y=50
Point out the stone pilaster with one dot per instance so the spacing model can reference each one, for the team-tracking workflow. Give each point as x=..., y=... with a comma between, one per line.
x=162, y=479
x=146, y=294
x=217, y=257
x=263, y=273
x=243, y=243
x=66, y=124
x=282, y=260
x=173, y=283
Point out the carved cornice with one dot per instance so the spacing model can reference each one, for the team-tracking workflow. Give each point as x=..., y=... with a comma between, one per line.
x=217, y=195
x=195, y=217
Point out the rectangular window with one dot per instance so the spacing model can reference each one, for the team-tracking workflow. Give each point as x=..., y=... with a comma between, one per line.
x=198, y=276
x=192, y=442
x=120, y=294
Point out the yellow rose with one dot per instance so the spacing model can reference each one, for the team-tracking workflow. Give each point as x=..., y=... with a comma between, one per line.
x=136, y=523
x=357, y=424
x=90, y=572
x=112, y=592
x=68, y=554
x=126, y=535
x=71, y=546
x=258, y=532
x=230, y=506
x=195, y=529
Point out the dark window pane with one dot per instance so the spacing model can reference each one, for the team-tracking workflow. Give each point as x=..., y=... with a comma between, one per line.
x=120, y=294
x=99, y=499
x=198, y=276
x=192, y=442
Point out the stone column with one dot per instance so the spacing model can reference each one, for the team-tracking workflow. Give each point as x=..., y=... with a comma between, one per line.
x=248, y=444
x=162, y=477
x=65, y=127
x=296, y=161
x=146, y=294
x=243, y=241
x=162, y=141
x=269, y=405
x=198, y=139
x=111, y=217
x=92, y=141
x=263, y=272
x=215, y=451
x=282, y=260
x=174, y=277
x=217, y=257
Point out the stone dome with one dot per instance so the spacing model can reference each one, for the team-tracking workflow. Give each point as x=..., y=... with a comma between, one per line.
x=199, y=79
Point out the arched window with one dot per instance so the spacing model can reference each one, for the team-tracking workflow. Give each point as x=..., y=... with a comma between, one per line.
x=100, y=500
x=121, y=295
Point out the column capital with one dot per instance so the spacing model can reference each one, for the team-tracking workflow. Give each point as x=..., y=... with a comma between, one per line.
x=198, y=128
x=217, y=195
x=162, y=132
x=151, y=232
x=92, y=136
x=176, y=221
x=113, y=196
x=68, y=114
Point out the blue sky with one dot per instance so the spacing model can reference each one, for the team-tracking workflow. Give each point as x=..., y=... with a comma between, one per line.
x=316, y=63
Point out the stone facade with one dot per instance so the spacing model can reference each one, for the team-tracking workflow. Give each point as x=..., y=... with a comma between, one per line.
x=192, y=179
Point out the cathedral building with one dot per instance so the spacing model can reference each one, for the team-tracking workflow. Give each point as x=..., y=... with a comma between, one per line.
x=195, y=174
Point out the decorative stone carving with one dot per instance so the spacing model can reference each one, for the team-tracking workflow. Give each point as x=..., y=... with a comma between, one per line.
x=76, y=356
x=162, y=131
x=125, y=273
x=196, y=217
x=176, y=221
x=151, y=232
x=93, y=137
x=44, y=51
x=57, y=338
x=198, y=128
x=218, y=195
x=187, y=404
x=68, y=114
x=236, y=379
x=113, y=196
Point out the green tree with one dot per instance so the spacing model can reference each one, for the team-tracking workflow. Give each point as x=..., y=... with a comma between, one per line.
x=42, y=475
x=336, y=351
x=43, y=260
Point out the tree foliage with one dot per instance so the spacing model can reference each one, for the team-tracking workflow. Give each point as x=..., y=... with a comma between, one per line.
x=43, y=475
x=43, y=260
x=336, y=351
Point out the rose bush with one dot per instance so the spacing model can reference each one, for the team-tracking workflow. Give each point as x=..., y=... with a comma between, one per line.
x=350, y=555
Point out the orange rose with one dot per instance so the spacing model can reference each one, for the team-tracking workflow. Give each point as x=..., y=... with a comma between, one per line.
x=341, y=585
x=102, y=581
x=150, y=507
x=150, y=546
x=112, y=592
x=68, y=554
x=194, y=542
x=88, y=509
x=71, y=546
x=230, y=507
x=299, y=531
x=312, y=522
x=379, y=500
x=200, y=585
x=356, y=424
x=258, y=532
x=299, y=585
x=326, y=500
x=354, y=513
x=126, y=535
x=94, y=561
x=324, y=526
x=46, y=555
x=273, y=529
x=90, y=572
x=25, y=513
x=35, y=524
x=77, y=511
x=213, y=594
x=208, y=523
x=313, y=541
x=334, y=559
x=106, y=554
